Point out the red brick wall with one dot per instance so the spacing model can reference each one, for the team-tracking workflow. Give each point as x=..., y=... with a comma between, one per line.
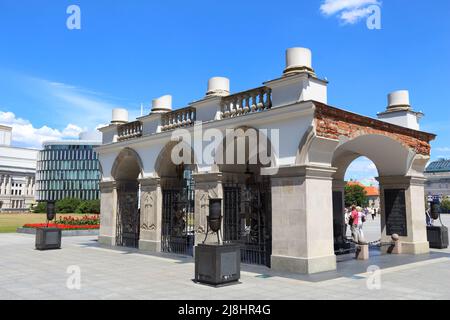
x=332, y=123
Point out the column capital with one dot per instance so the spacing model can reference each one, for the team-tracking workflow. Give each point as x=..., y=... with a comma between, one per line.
x=304, y=171
x=149, y=181
x=107, y=186
x=207, y=177
x=401, y=181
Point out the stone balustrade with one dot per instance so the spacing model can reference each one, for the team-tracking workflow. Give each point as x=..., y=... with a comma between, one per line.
x=251, y=101
x=130, y=130
x=178, y=119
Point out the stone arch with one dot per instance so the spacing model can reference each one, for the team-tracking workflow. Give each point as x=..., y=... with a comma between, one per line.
x=164, y=167
x=391, y=157
x=126, y=171
x=400, y=173
x=247, y=194
x=126, y=165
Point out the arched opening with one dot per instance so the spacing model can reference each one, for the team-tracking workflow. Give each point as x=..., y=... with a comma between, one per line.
x=178, y=203
x=359, y=189
x=359, y=163
x=126, y=171
x=247, y=195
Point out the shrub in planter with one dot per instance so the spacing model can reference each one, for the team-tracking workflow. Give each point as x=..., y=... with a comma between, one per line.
x=89, y=206
x=40, y=207
x=68, y=205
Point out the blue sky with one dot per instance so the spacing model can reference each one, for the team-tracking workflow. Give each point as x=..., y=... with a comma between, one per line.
x=55, y=81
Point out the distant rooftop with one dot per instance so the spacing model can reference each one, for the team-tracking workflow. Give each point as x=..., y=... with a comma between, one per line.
x=441, y=165
x=370, y=190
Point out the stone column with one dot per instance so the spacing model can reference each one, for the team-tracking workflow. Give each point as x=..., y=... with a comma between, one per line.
x=302, y=219
x=151, y=215
x=24, y=187
x=408, y=214
x=2, y=185
x=8, y=185
x=108, y=213
x=207, y=186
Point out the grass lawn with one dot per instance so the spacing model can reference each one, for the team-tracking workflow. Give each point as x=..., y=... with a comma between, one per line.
x=9, y=222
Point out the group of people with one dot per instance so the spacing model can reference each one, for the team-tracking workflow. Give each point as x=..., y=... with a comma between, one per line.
x=355, y=218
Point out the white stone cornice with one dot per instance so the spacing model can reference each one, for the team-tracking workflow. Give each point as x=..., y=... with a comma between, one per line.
x=269, y=116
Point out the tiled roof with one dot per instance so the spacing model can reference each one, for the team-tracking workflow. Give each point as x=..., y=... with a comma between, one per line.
x=441, y=165
x=371, y=191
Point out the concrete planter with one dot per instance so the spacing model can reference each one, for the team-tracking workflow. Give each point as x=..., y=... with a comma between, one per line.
x=437, y=237
x=48, y=238
x=65, y=233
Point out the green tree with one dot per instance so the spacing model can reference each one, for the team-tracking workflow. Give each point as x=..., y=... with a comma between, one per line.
x=445, y=205
x=89, y=206
x=68, y=205
x=40, y=207
x=355, y=195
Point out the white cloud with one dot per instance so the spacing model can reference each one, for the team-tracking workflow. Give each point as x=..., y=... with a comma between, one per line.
x=444, y=149
x=362, y=170
x=26, y=135
x=349, y=11
x=80, y=106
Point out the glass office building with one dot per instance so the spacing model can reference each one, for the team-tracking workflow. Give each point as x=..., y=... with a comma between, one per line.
x=68, y=169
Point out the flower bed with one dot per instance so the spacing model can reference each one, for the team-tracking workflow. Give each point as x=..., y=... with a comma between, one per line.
x=70, y=223
x=61, y=226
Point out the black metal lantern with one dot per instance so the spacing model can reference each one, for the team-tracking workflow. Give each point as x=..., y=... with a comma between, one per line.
x=214, y=218
x=51, y=210
x=435, y=210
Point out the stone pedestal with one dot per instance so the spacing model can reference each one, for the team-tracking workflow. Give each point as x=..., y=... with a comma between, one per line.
x=217, y=264
x=407, y=219
x=207, y=186
x=151, y=215
x=48, y=238
x=362, y=252
x=108, y=210
x=302, y=220
x=438, y=237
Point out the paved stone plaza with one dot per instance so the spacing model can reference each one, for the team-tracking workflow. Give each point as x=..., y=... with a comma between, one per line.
x=126, y=274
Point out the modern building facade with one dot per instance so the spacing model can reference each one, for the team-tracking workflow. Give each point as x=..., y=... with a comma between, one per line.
x=285, y=206
x=68, y=169
x=438, y=179
x=17, y=174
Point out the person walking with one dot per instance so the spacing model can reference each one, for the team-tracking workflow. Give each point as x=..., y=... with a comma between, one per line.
x=374, y=213
x=361, y=219
x=353, y=222
x=357, y=218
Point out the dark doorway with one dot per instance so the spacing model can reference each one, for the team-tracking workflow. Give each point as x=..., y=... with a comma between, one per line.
x=247, y=220
x=128, y=215
x=178, y=214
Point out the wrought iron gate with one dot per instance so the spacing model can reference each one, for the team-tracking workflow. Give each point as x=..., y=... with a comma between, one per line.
x=178, y=220
x=247, y=220
x=128, y=215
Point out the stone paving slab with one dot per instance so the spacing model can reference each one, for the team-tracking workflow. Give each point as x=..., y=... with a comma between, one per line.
x=106, y=273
